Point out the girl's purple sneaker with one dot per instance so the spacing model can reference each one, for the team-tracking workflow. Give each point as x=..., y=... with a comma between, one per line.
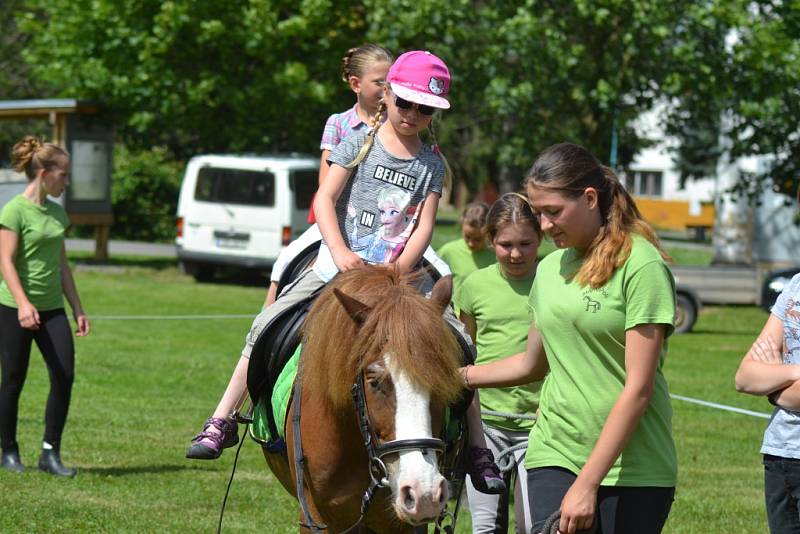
x=208, y=445
x=483, y=472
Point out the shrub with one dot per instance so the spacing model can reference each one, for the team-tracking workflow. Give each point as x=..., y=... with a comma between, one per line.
x=144, y=194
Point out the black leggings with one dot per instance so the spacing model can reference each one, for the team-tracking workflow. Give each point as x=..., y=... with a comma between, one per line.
x=54, y=340
x=620, y=509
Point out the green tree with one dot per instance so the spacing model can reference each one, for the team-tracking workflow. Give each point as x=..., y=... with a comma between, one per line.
x=738, y=93
x=16, y=81
x=199, y=76
x=530, y=74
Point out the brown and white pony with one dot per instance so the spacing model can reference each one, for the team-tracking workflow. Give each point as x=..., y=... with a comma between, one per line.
x=373, y=322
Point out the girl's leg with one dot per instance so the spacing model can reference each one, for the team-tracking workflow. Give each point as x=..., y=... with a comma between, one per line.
x=220, y=431
x=15, y=353
x=522, y=510
x=236, y=393
x=546, y=489
x=482, y=469
x=781, y=488
x=643, y=510
x=54, y=340
x=489, y=512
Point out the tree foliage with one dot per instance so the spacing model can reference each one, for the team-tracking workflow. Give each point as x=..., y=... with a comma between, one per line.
x=198, y=76
x=262, y=75
x=739, y=93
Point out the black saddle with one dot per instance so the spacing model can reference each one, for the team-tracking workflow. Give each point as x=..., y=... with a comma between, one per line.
x=279, y=339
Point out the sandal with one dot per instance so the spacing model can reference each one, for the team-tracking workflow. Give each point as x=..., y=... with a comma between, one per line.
x=208, y=445
x=484, y=473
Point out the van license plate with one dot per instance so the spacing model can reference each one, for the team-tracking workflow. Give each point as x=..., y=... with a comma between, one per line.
x=233, y=240
x=231, y=243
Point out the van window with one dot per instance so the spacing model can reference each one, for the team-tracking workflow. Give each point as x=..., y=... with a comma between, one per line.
x=304, y=185
x=235, y=186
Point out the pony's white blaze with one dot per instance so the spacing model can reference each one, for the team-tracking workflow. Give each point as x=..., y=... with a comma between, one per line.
x=419, y=490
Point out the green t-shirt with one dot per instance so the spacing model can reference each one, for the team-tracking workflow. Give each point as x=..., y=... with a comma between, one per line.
x=583, y=331
x=40, y=230
x=499, y=307
x=463, y=261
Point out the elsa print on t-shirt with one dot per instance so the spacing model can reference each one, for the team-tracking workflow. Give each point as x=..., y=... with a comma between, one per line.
x=397, y=220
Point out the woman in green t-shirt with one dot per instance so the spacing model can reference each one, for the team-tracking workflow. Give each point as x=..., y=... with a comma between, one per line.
x=36, y=277
x=602, y=308
x=490, y=300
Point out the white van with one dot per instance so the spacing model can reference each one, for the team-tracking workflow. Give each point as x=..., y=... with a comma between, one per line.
x=242, y=210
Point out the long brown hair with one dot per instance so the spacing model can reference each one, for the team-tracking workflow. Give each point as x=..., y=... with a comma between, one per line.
x=32, y=154
x=401, y=322
x=569, y=169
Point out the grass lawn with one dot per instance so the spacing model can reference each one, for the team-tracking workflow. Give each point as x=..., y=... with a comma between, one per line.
x=144, y=387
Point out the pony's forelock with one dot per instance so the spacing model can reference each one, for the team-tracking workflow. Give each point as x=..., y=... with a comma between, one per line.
x=401, y=323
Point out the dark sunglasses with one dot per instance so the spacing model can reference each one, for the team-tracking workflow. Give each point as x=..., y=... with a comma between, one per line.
x=402, y=103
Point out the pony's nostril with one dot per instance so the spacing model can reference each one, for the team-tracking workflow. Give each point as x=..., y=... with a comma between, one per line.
x=408, y=499
x=441, y=496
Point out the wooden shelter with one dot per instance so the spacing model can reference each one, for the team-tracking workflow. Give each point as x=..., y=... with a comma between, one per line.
x=78, y=127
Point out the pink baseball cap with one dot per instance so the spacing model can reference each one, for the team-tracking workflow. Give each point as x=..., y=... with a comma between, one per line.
x=420, y=77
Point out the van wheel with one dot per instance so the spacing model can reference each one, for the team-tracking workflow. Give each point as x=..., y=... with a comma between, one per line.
x=202, y=272
x=685, y=314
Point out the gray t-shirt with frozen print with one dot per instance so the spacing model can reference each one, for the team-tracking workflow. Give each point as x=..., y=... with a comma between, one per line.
x=782, y=437
x=381, y=202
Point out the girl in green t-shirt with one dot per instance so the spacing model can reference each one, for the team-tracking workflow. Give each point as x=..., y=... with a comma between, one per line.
x=602, y=308
x=36, y=277
x=490, y=300
x=471, y=252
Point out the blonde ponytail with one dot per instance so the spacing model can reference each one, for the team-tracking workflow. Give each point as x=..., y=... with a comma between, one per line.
x=32, y=154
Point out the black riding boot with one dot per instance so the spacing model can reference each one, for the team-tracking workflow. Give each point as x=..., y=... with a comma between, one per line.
x=50, y=462
x=11, y=460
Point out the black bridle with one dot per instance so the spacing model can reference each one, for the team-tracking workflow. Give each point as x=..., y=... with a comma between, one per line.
x=375, y=452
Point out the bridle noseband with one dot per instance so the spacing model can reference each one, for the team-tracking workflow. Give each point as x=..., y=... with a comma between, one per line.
x=375, y=451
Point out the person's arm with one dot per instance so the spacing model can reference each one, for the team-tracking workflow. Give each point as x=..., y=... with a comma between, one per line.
x=325, y=211
x=71, y=292
x=27, y=313
x=324, y=166
x=420, y=238
x=761, y=371
x=522, y=368
x=788, y=399
x=643, y=345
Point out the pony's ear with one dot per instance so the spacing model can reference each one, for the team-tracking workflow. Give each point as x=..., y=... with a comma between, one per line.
x=443, y=292
x=356, y=309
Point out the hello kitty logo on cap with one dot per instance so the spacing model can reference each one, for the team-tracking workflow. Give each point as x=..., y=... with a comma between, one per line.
x=420, y=77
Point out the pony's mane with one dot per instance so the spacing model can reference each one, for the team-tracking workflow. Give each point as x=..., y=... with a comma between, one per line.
x=401, y=321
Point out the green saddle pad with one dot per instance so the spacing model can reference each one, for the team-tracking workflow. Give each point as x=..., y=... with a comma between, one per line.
x=279, y=402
